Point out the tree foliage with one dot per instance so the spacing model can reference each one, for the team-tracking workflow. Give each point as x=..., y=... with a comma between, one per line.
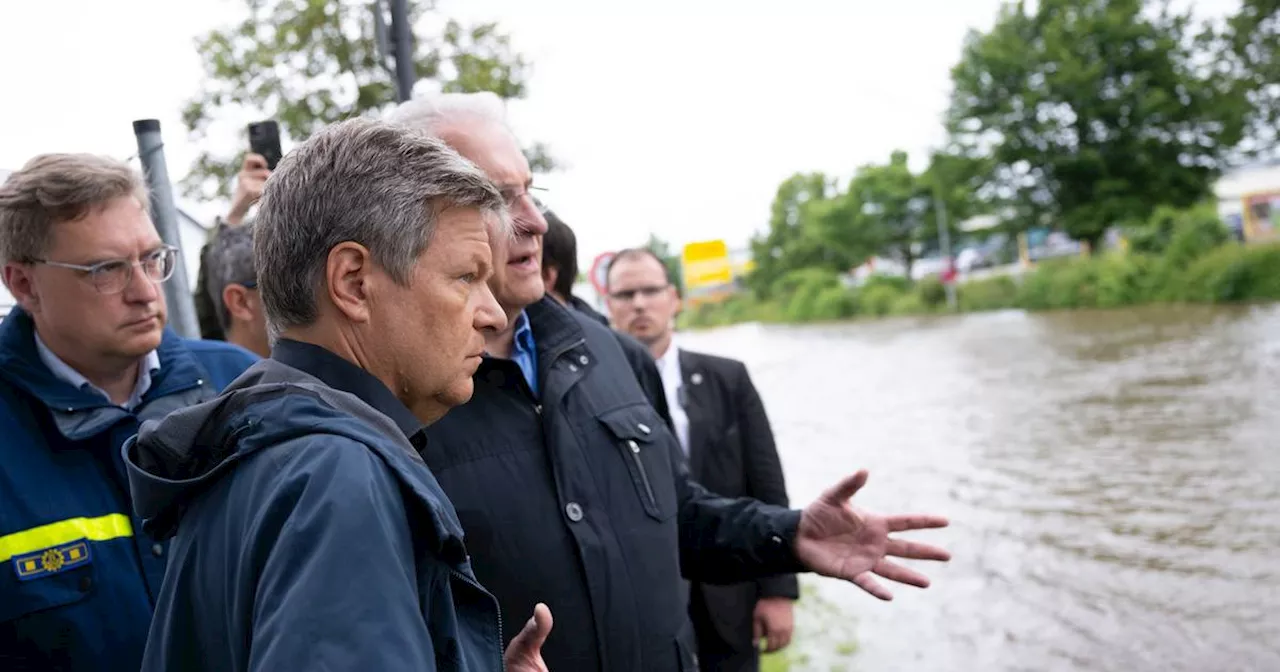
x=670, y=258
x=308, y=63
x=1251, y=44
x=793, y=239
x=1094, y=112
x=887, y=210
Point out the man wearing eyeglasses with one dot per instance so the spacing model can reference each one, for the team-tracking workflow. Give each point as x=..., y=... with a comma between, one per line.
x=568, y=483
x=722, y=427
x=84, y=359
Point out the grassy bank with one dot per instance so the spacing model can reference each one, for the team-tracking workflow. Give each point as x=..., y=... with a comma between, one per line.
x=1180, y=257
x=824, y=639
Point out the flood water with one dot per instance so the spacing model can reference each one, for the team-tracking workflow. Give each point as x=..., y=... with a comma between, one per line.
x=1113, y=480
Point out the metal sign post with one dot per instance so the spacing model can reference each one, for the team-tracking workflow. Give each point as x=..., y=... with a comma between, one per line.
x=182, y=311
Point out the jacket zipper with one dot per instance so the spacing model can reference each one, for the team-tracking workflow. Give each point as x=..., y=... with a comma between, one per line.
x=502, y=654
x=644, y=475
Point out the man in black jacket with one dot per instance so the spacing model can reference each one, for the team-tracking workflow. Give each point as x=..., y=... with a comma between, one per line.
x=572, y=489
x=560, y=266
x=722, y=427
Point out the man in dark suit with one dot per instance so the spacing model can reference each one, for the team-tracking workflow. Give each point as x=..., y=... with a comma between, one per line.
x=721, y=423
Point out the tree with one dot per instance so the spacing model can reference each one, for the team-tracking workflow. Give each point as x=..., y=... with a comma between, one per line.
x=793, y=240
x=1094, y=112
x=1249, y=42
x=308, y=63
x=892, y=209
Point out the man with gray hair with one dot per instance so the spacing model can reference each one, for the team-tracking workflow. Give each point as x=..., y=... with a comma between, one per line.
x=561, y=457
x=84, y=358
x=232, y=286
x=307, y=532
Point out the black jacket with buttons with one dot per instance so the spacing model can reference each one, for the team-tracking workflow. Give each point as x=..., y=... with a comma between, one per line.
x=582, y=499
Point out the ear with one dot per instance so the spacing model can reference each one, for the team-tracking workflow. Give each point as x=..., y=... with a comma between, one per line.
x=21, y=284
x=238, y=302
x=549, y=275
x=349, y=276
x=675, y=296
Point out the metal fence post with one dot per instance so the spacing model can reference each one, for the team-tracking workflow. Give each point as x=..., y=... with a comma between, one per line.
x=182, y=312
x=944, y=241
x=402, y=38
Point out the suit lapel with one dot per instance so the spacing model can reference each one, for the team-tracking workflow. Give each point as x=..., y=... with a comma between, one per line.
x=693, y=378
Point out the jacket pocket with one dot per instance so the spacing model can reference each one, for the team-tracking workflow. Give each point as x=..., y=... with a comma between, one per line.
x=34, y=586
x=644, y=443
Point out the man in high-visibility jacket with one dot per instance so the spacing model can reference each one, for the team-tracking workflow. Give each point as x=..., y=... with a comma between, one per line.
x=84, y=359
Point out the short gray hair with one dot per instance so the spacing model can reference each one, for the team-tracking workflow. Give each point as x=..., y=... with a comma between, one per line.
x=361, y=181
x=54, y=188
x=229, y=260
x=429, y=113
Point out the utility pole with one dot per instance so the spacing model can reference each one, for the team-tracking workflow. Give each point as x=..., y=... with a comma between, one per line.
x=402, y=44
x=944, y=240
x=177, y=293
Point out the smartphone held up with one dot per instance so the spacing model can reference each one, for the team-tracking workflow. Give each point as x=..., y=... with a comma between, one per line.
x=264, y=140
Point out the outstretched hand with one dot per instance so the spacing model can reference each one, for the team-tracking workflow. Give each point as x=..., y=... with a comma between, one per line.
x=524, y=653
x=835, y=539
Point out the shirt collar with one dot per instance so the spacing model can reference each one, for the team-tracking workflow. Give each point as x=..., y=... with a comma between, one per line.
x=523, y=341
x=148, y=366
x=345, y=376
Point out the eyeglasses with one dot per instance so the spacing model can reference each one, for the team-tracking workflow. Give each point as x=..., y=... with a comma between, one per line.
x=113, y=275
x=630, y=294
x=513, y=194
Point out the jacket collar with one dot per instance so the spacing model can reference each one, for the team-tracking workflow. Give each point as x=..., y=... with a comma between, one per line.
x=554, y=328
x=21, y=366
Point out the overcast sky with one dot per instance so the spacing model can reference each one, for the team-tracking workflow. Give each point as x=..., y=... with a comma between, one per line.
x=677, y=118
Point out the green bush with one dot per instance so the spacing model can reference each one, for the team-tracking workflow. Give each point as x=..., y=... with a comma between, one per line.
x=908, y=304
x=805, y=290
x=791, y=282
x=1177, y=255
x=1234, y=273
x=1041, y=287
x=1123, y=280
x=877, y=299
x=800, y=307
x=931, y=292
x=895, y=282
x=1195, y=233
x=1180, y=234
x=834, y=303
x=996, y=293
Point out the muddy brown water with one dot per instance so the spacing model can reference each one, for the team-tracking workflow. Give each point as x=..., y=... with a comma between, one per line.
x=1113, y=480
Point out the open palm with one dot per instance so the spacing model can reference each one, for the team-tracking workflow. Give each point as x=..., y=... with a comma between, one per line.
x=837, y=540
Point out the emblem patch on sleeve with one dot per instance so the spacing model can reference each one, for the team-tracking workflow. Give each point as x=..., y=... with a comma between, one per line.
x=51, y=560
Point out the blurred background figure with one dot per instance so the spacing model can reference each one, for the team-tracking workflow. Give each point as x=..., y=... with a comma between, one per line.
x=232, y=286
x=723, y=428
x=560, y=266
x=249, y=184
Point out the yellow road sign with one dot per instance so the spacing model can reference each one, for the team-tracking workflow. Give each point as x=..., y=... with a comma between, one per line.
x=706, y=264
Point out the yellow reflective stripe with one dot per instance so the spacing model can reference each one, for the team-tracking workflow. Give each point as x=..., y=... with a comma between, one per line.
x=102, y=528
